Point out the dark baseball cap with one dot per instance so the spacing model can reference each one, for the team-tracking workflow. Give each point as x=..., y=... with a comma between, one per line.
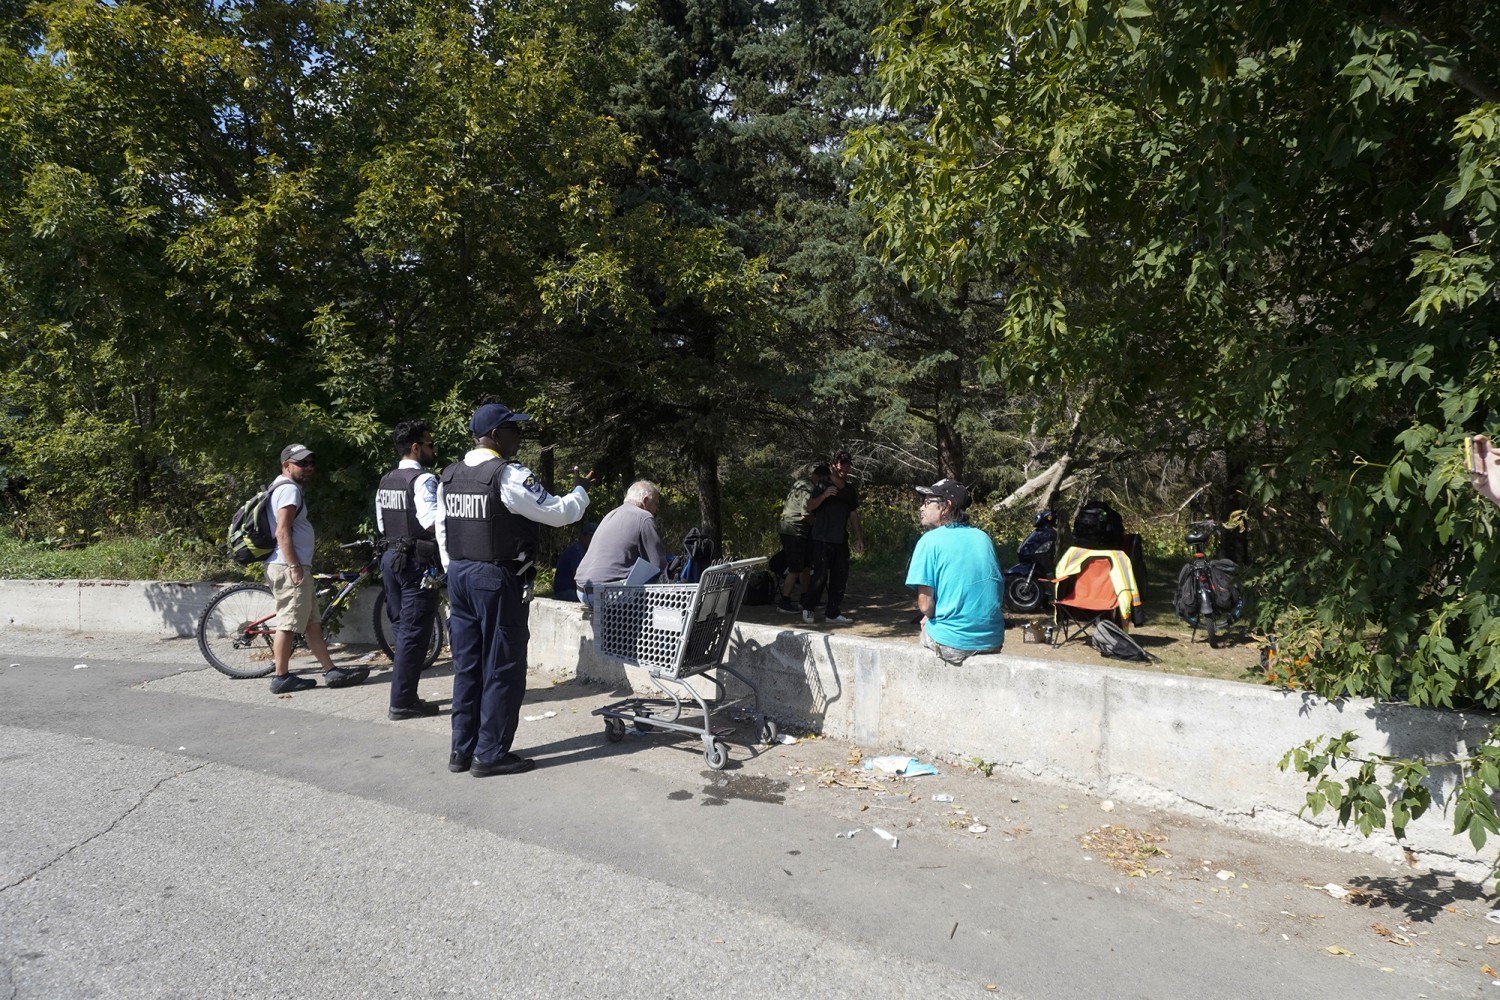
x=947, y=489
x=492, y=415
x=296, y=453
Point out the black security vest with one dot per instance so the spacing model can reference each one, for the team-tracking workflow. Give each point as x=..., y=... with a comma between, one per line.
x=476, y=524
x=397, y=499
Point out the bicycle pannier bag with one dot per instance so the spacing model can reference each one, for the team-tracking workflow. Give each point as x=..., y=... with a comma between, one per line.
x=1226, y=594
x=1185, y=603
x=252, y=535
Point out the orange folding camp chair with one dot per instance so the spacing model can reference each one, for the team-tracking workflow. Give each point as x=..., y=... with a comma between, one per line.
x=1098, y=588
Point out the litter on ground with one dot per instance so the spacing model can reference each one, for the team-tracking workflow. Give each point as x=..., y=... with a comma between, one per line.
x=908, y=767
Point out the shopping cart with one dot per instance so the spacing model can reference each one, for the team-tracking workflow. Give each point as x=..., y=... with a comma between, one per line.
x=677, y=631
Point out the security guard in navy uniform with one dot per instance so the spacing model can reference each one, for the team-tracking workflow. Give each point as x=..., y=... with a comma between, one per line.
x=405, y=514
x=488, y=510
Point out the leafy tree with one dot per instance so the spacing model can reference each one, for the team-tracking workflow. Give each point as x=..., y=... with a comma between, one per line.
x=673, y=336
x=1279, y=221
x=344, y=210
x=124, y=125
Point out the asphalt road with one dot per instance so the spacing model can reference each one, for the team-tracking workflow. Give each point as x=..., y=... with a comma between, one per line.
x=169, y=832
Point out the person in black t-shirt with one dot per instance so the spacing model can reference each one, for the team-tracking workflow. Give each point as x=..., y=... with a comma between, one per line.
x=835, y=508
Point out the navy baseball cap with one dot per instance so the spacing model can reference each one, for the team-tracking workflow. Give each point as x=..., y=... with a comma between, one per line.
x=492, y=415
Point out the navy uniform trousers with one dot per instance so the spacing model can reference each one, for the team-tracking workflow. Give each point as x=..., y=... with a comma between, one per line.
x=412, y=610
x=487, y=633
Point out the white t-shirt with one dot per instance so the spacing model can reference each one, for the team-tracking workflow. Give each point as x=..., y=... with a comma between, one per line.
x=288, y=494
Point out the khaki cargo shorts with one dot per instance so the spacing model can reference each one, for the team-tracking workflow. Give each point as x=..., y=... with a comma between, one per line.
x=295, y=604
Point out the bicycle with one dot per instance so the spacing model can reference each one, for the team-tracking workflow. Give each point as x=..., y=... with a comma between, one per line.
x=235, y=630
x=1206, y=594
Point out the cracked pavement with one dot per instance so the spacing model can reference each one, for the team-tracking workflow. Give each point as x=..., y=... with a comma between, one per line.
x=172, y=832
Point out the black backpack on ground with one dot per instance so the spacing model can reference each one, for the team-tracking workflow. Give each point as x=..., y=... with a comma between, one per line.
x=760, y=587
x=1099, y=526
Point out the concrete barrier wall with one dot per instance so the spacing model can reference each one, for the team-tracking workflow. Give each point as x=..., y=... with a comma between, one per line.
x=139, y=607
x=1203, y=748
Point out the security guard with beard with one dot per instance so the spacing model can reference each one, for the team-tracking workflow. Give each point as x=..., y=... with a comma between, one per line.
x=405, y=513
x=488, y=510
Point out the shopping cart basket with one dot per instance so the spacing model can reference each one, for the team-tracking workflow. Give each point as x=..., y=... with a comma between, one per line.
x=677, y=631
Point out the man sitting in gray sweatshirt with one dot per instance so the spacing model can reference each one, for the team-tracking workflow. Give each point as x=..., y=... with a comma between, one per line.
x=626, y=534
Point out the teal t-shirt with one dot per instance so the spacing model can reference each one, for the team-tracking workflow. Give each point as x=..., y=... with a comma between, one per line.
x=958, y=562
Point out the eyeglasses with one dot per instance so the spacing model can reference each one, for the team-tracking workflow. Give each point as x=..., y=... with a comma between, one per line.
x=305, y=463
x=928, y=500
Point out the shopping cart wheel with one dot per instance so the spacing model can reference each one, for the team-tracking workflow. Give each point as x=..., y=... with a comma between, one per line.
x=614, y=729
x=717, y=755
x=641, y=725
x=768, y=731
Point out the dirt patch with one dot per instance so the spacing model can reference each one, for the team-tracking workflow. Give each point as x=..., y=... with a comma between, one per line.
x=889, y=612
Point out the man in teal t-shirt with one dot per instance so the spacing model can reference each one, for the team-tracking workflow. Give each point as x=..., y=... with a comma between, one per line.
x=957, y=578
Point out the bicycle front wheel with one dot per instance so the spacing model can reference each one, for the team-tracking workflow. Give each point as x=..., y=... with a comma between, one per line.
x=385, y=631
x=235, y=631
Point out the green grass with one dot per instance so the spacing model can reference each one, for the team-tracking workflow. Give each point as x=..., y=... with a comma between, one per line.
x=168, y=556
